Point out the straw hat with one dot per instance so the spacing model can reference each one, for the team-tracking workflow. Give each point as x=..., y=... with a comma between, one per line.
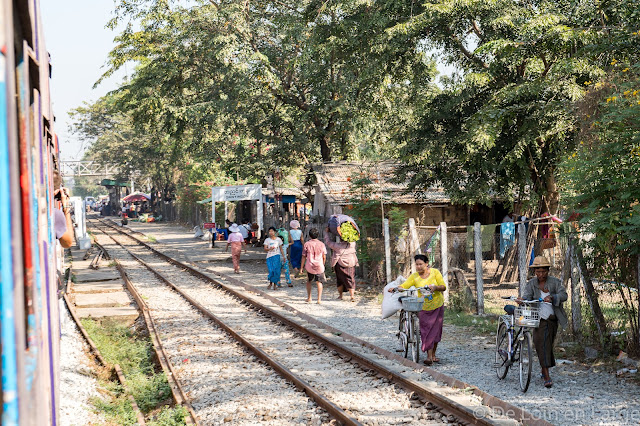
x=234, y=228
x=540, y=262
x=294, y=224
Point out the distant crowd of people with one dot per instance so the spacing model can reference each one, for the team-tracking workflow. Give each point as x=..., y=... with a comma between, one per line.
x=287, y=249
x=134, y=209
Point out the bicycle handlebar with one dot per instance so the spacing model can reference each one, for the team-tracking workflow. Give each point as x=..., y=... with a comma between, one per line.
x=528, y=302
x=424, y=290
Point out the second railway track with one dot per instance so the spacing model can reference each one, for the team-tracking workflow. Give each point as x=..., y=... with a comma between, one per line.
x=350, y=388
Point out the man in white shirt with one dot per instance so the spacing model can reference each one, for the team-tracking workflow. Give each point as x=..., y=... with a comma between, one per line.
x=243, y=231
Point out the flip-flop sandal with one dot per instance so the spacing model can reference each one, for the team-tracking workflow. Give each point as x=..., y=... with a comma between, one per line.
x=436, y=359
x=427, y=362
x=290, y=285
x=548, y=383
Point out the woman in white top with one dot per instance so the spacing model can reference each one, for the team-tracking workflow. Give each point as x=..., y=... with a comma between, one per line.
x=273, y=247
x=297, y=243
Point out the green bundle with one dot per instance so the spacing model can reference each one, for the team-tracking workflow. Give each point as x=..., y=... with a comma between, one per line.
x=348, y=233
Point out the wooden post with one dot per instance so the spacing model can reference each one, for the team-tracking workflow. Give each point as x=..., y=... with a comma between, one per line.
x=414, y=244
x=477, y=248
x=523, y=258
x=387, y=249
x=576, y=300
x=444, y=256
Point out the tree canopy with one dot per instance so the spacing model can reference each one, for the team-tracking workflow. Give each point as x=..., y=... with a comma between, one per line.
x=503, y=123
x=237, y=88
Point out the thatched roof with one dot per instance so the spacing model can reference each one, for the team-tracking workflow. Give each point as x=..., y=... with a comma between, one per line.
x=335, y=180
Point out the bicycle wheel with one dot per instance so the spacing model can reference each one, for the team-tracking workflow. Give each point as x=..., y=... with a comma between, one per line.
x=413, y=346
x=408, y=349
x=403, y=335
x=524, y=361
x=502, y=351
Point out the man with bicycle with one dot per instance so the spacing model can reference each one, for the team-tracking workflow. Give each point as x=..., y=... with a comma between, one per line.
x=550, y=290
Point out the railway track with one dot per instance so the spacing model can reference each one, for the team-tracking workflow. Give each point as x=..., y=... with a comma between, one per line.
x=347, y=385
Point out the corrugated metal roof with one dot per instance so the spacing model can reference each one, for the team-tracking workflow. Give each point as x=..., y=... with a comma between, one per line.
x=336, y=182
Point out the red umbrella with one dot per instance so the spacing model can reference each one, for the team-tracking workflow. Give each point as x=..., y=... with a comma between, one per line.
x=136, y=196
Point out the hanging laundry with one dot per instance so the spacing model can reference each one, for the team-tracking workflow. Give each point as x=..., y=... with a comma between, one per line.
x=507, y=237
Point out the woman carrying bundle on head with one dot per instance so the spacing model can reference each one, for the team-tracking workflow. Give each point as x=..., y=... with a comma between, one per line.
x=344, y=261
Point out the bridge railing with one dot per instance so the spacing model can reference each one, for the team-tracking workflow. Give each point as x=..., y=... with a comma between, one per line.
x=86, y=168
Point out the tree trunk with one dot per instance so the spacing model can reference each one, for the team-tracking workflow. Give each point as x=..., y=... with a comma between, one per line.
x=592, y=297
x=551, y=197
x=325, y=147
x=546, y=187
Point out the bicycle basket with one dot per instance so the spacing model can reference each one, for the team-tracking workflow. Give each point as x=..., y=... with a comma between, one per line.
x=527, y=316
x=412, y=304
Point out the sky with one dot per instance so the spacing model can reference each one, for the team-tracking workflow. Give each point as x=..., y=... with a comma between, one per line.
x=78, y=42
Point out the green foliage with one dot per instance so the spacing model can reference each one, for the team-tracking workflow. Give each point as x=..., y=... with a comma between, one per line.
x=118, y=345
x=601, y=184
x=365, y=207
x=170, y=417
x=602, y=177
x=86, y=187
x=248, y=87
x=501, y=125
x=117, y=409
x=481, y=325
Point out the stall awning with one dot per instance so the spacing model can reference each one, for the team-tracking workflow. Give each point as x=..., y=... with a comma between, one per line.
x=111, y=182
x=208, y=200
x=285, y=199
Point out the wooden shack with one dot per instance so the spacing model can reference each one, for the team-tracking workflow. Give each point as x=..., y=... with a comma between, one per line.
x=336, y=184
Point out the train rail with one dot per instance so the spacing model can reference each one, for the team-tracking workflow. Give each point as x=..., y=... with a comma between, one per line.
x=315, y=361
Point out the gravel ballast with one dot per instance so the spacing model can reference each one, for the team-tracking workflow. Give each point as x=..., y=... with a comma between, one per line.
x=77, y=381
x=582, y=393
x=224, y=383
x=372, y=400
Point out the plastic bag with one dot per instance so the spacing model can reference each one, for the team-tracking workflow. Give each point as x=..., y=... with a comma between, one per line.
x=390, y=301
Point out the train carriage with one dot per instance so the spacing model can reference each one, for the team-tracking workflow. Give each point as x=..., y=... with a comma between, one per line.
x=30, y=257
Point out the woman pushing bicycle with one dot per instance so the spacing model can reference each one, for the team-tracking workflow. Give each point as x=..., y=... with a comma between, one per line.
x=551, y=290
x=432, y=314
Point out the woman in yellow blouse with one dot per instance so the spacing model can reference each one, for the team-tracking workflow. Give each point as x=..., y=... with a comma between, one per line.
x=432, y=314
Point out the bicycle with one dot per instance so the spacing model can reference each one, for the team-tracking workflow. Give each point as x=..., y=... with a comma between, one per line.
x=514, y=340
x=409, y=324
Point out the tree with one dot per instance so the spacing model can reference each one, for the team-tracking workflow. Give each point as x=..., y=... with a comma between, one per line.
x=601, y=186
x=296, y=76
x=501, y=125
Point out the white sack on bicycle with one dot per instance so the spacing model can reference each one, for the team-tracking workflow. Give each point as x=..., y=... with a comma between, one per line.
x=390, y=302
